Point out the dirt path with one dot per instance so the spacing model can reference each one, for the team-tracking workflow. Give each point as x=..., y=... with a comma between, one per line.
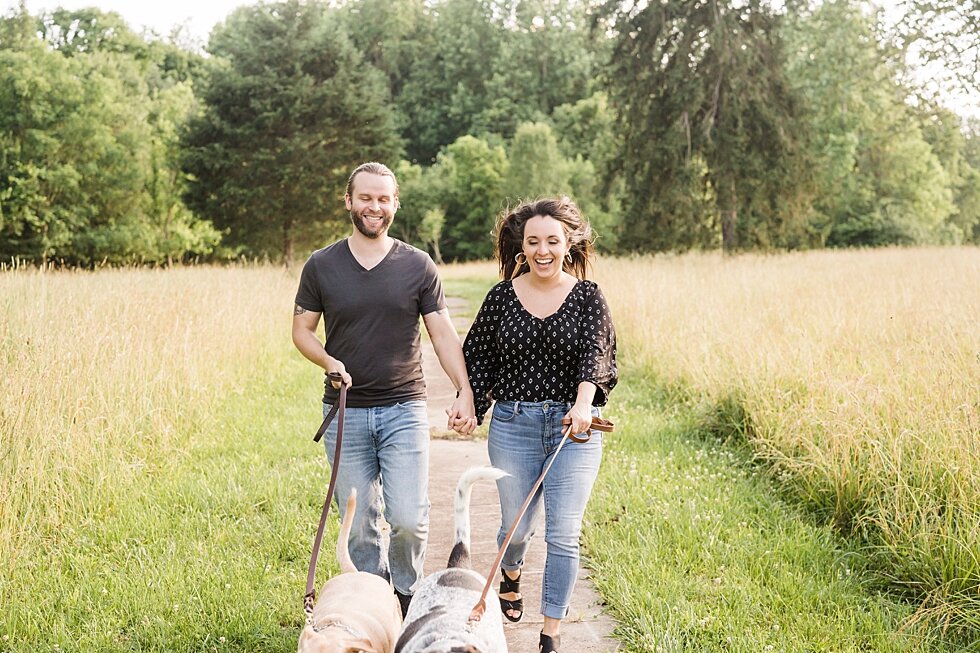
x=586, y=629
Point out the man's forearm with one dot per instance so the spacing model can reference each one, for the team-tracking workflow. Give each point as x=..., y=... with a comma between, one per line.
x=450, y=354
x=309, y=345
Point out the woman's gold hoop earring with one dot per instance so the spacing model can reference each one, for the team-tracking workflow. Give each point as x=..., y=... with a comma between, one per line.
x=568, y=256
x=520, y=259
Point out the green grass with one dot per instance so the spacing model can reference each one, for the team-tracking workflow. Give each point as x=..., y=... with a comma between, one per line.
x=206, y=553
x=201, y=543
x=693, y=549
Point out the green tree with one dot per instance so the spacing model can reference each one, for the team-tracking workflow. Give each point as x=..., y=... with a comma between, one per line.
x=79, y=31
x=949, y=139
x=447, y=86
x=537, y=167
x=709, y=123
x=391, y=35
x=968, y=195
x=290, y=107
x=482, y=67
x=83, y=175
x=587, y=128
x=877, y=179
x=547, y=58
x=588, y=139
x=73, y=135
x=178, y=230
x=430, y=231
x=467, y=183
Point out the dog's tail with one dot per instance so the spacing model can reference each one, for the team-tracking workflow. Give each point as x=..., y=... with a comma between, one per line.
x=460, y=556
x=343, y=555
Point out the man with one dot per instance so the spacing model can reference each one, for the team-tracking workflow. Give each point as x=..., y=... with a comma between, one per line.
x=371, y=290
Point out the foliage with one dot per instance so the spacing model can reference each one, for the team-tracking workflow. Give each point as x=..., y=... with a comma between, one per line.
x=945, y=32
x=289, y=109
x=878, y=181
x=468, y=180
x=485, y=66
x=706, y=116
x=86, y=167
x=537, y=167
x=674, y=125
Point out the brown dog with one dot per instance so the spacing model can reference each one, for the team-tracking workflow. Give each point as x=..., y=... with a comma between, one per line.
x=357, y=612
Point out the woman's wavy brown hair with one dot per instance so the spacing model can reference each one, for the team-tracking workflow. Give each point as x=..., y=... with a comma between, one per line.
x=510, y=236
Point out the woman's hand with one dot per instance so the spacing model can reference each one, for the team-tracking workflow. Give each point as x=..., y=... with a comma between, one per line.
x=462, y=415
x=581, y=416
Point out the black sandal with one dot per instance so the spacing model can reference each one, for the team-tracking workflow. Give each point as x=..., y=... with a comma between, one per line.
x=548, y=644
x=508, y=584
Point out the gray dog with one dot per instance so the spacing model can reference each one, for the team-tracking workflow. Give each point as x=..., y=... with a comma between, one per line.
x=438, y=617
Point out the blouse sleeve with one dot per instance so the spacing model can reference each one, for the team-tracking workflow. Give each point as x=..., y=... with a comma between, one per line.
x=480, y=352
x=597, y=340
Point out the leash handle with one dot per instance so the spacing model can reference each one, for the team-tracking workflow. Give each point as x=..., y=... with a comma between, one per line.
x=481, y=606
x=598, y=424
x=338, y=409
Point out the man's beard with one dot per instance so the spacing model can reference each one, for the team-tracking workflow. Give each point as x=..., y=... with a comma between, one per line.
x=358, y=220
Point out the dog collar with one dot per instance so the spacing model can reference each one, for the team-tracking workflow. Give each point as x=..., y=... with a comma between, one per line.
x=334, y=624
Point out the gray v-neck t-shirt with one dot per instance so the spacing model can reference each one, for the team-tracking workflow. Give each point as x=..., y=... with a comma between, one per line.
x=371, y=318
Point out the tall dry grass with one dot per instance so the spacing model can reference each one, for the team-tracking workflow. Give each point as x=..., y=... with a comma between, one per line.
x=105, y=373
x=855, y=374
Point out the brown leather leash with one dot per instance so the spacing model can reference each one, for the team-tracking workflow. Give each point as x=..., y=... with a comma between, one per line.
x=598, y=424
x=309, y=599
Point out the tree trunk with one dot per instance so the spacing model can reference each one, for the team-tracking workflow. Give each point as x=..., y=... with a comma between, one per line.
x=287, y=243
x=729, y=217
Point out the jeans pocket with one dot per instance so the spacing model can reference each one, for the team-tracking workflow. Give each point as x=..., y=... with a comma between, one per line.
x=504, y=411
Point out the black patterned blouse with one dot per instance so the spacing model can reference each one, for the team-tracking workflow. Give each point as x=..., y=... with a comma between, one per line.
x=512, y=355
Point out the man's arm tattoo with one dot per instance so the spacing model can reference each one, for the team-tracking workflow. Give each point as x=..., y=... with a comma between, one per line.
x=298, y=310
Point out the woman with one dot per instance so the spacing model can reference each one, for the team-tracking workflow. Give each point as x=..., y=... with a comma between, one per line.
x=543, y=348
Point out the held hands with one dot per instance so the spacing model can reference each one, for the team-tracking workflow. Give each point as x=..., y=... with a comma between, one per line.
x=462, y=414
x=581, y=416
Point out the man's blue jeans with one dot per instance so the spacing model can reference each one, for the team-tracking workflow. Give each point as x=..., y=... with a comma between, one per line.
x=385, y=455
x=523, y=438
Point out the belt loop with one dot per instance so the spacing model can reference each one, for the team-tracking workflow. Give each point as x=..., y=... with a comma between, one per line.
x=517, y=408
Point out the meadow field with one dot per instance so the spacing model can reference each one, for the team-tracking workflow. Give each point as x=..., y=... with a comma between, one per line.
x=855, y=379
x=796, y=465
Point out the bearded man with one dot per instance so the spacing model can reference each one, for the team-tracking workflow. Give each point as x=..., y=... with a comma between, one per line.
x=371, y=289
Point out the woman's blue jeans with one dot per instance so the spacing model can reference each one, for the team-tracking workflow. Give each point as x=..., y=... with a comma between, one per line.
x=385, y=455
x=523, y=439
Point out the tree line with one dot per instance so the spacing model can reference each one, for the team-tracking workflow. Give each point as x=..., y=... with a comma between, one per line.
x=676, y=125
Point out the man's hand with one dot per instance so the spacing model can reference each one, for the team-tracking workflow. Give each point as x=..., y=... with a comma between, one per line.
x=335, y=366
x=462, y=414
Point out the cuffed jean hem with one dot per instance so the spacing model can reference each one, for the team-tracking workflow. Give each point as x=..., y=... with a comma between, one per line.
x=554, y=611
